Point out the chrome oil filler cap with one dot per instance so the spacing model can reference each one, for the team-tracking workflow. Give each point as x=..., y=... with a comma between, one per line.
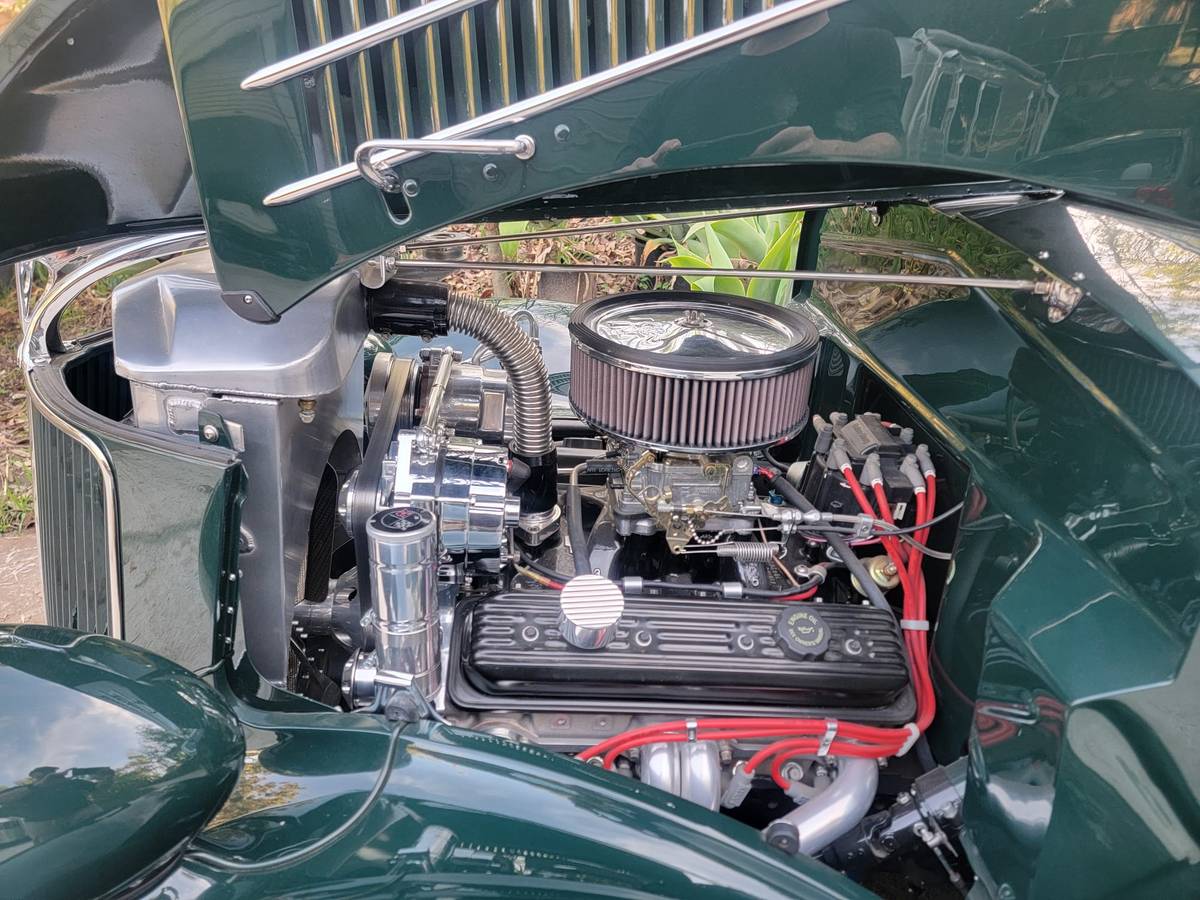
x=590, y=607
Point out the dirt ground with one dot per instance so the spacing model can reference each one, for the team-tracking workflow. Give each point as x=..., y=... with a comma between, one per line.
x=20, y=579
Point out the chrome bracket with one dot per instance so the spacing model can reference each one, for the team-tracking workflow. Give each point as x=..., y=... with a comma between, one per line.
x=1060, y=297
x=381, y=173
x=25, y=271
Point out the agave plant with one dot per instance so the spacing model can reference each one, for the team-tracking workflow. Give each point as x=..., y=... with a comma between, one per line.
x=753, y=242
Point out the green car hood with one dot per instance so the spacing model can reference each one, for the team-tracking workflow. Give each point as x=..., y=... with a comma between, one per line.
x=809, y=98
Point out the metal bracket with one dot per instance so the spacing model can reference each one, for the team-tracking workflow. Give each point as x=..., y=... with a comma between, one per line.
x=1060, y=297
x=383, y=177
x=250, y=306
x=214, y=430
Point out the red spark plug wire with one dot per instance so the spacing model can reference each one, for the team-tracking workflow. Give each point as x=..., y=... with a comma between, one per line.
x=795, y=736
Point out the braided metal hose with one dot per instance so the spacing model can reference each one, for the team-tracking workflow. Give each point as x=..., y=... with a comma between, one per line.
x=521, y=359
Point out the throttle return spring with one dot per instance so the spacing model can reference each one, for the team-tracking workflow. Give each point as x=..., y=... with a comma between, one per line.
x=749, y=551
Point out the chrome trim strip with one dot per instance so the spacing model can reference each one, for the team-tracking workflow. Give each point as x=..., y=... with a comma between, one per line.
x=364, y=87
x=467, y=39
x=433, y=72
x=585, y=87
x=540, y=40
x=615, y=32
x=1043, y=287
x=332, y=124
x=24, y=277
x=577, y=20
x=394, y=64
x=356, y=42
x=503, y=41
x=992, y=201
x=116, y=618
x=111, y=257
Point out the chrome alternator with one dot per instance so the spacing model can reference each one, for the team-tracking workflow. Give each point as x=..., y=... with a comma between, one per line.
x=454, y=463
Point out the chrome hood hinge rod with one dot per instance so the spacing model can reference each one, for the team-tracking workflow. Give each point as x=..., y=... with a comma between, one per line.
x=1058, y=294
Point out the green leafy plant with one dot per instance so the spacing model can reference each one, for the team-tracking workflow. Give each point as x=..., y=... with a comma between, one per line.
x=753, y=242
x=510, y=249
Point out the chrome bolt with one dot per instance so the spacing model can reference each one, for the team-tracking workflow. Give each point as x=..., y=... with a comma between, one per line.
x=491, y=172
x=853, y=647
x=308, y=410
x=561, y=133
x=410, y=187
x=210, y=433
x=793, y=771
x=247, y=298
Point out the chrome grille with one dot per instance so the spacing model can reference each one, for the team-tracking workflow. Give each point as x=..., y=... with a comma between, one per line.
x=71, y=529
x=494, y=54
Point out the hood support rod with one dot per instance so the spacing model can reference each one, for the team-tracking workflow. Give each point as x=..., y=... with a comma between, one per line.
x=1055, y=291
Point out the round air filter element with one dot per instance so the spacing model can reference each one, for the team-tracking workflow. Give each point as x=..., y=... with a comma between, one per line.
x=690, y=371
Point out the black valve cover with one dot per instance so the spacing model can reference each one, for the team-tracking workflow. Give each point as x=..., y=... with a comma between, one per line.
x=685, y=653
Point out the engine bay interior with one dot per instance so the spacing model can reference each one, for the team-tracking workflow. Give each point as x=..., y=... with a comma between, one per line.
x=674, y=566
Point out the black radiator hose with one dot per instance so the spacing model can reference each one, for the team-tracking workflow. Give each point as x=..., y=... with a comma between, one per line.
x=839, y=544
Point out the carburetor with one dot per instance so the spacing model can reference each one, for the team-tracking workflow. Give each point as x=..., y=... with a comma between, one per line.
x=680, y=494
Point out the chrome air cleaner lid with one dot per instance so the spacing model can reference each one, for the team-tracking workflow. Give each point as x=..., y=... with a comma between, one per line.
x=689, y=336
x=681, y=370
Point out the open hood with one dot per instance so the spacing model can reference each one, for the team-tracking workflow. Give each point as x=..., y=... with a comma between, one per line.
x=798, y=97
x=92, y=144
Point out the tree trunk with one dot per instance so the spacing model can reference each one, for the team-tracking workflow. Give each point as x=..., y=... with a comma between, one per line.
x=501, y=286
